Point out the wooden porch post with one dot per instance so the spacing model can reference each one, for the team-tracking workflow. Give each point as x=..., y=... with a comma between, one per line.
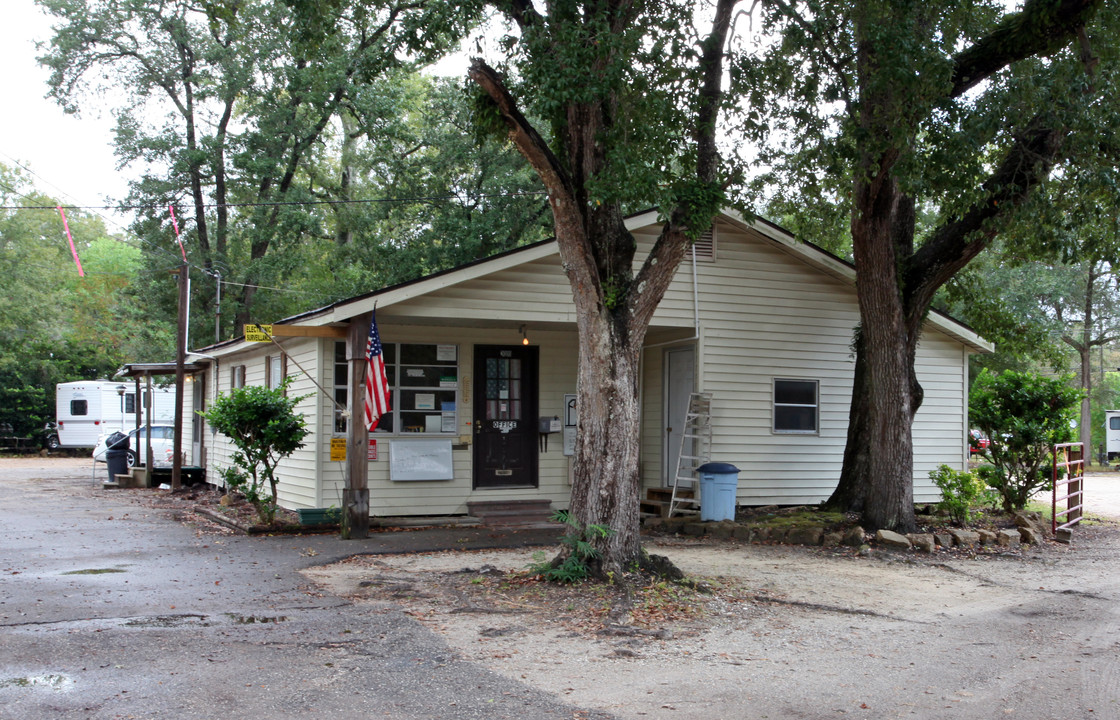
x=355, y=495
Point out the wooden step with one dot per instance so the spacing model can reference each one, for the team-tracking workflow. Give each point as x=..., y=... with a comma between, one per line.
x=512, y=513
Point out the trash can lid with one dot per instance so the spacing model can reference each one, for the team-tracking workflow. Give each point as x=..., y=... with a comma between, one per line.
x=717, y=467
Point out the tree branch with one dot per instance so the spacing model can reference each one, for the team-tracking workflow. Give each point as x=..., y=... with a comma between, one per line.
x=955, y=243
x=1042, y=27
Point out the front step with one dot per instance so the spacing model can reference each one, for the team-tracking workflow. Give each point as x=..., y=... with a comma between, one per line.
x=658, y=501
x=512, y=513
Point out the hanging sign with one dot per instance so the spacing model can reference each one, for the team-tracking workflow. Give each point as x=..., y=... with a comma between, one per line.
x=338, y=449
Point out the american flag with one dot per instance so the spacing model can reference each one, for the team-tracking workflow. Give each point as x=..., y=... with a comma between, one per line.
x=377, y=385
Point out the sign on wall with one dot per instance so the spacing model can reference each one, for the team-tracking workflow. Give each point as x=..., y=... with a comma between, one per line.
x=420, y=459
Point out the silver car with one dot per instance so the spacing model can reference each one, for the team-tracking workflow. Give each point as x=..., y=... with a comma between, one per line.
x=163, y=445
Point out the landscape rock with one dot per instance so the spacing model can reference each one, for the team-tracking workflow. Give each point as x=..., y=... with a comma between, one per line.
x=694, y=528
x=891, y=539
x=922, y=541
x=805, y=536
x=1030, y=535
x=742, y=532
x=987, y=537
x=721, y=530
x=854, y=537
x=945, y=540
x=832, y=539
x=965, y=538
x=1008, y=538
x=1033, y=521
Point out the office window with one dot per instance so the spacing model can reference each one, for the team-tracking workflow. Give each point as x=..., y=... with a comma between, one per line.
x=795, y=406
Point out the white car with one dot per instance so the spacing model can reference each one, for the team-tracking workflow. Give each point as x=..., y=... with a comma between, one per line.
x=163, y=445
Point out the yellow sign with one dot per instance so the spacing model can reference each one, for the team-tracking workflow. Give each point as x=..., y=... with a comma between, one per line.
x=258, y=333
x=338, y=449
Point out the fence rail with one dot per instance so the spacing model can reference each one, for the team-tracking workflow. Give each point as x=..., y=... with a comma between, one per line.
x=1069, y=463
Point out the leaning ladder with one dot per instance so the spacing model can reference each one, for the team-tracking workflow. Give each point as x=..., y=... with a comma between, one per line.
x=695, y=450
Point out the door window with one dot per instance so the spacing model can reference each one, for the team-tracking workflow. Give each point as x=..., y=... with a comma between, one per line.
x=503, y=389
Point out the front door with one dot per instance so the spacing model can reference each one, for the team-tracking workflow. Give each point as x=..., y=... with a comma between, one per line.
x=680, y=378
x=505, y=416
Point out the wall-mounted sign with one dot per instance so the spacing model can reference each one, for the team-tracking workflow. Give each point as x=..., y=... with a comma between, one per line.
x=338, y=449
x=258, y=333
x=371, y=453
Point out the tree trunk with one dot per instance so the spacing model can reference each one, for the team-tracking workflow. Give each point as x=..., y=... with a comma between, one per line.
x=605, y=490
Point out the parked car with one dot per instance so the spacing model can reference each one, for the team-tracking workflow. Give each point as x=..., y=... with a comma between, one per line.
x=978, y=442
x=163, y=445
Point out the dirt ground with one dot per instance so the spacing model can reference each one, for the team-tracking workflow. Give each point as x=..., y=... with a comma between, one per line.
x=786, y=632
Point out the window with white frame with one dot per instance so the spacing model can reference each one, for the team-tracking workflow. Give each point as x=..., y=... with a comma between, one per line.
x=796, y=406
x=341, y=387
x=423, y=388
x=237, y=377
x=274, y=370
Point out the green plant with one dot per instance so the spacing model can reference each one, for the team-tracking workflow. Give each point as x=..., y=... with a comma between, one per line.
x=961, y=492
x=1024, y=415
x=264, y=427
x=574, y=565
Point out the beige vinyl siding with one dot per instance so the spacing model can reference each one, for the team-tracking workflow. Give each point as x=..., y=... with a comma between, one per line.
x=939, y=426
x=766, y=314
x=557, y=376
x=535, y=292
x=297, y=486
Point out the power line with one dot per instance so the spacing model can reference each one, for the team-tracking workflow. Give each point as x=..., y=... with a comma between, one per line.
x=278, y=203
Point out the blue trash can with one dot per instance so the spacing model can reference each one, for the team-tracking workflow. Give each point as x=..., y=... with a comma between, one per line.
x=718, y=485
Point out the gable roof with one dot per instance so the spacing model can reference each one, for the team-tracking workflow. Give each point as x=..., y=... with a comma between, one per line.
x=818, y=258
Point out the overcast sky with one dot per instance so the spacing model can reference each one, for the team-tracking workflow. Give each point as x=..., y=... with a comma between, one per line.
x=71, y=157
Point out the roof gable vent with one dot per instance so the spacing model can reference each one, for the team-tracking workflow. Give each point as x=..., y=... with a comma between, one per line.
x=705, y=246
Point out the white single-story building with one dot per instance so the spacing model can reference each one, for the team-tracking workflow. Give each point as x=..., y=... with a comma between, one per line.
x=480, y=356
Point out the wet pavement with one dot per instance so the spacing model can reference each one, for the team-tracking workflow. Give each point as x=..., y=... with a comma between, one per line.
x=109, y=609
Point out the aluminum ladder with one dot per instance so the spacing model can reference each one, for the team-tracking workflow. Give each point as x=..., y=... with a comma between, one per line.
x=695, y=450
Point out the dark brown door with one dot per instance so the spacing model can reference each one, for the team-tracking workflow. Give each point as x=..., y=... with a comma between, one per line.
x=505, y=416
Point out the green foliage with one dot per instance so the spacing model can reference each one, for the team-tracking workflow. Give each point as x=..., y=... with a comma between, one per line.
x=1024, y=415
x=580, y=551
x=961, y=493
x=54, y=325
x=264, y=427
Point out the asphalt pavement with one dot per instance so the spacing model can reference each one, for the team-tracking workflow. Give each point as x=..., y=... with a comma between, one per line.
x=109, y=609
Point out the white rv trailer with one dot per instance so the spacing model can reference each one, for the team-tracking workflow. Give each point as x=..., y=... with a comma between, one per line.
x=87, y=409
x=1112, y=434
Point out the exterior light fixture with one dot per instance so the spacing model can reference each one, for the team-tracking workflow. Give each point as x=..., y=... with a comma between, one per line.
x=524, y=336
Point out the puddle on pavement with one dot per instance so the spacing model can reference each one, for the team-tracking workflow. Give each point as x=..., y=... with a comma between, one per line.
x=59, y=683
x=167, y=621
x=95, y=571
x=250, y=619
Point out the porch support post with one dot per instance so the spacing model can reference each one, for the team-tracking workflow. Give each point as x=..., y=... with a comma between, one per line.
x=355, y=495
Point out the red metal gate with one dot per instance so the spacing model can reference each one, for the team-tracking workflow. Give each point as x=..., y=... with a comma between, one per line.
x=1070, y=458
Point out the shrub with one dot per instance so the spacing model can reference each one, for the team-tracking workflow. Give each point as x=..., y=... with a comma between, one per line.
x=961, y=492
x=264, y=427
x=1024, y=415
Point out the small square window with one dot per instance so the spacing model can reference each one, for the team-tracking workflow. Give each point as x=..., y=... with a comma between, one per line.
x=796, y=405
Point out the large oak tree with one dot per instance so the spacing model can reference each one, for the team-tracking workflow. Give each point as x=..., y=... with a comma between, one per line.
x=632, y=94
x=958, y=110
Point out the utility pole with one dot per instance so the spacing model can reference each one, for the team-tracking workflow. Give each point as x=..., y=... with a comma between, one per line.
x=180, y=376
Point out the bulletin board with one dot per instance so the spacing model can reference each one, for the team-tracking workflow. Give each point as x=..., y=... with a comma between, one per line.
x=420, y=459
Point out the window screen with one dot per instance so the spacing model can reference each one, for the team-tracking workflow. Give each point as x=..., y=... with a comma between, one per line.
x=795, y=406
